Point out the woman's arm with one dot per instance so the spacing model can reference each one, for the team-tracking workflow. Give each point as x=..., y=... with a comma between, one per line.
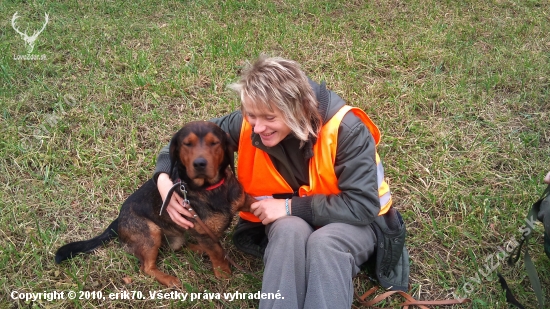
x=355, y=168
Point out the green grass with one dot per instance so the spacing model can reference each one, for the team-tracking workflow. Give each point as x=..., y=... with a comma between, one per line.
x=459, y=89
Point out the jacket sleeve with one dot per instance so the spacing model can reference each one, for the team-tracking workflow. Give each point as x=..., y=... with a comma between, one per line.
x=230, y=123
x=355, y=168
x=163, y=163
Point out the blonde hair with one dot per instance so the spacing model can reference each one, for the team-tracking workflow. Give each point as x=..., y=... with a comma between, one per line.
x=280, y=83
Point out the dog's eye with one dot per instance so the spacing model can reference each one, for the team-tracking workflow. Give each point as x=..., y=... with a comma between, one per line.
x=187, y=144
x=214, y=143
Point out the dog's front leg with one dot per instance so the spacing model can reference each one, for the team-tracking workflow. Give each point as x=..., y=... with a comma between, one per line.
x=248, y=200
x=217, y=257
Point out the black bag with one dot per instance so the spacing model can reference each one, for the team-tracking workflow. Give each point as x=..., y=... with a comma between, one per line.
x=544, y=217
x=541, y=211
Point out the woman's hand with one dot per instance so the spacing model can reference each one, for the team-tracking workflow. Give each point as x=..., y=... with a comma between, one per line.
x=175, y=207
x=269, y=210
x=547, y=178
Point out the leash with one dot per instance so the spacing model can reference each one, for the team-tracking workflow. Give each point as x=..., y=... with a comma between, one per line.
x=197, y=219
x=510, y=298
x=410, y=301
x=171, y=191
x=181, y=184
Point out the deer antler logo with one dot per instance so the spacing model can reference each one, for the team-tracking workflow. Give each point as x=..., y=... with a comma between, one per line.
x=29, y=40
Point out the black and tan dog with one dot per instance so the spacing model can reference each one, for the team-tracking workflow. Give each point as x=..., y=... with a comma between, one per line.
x=202, y=158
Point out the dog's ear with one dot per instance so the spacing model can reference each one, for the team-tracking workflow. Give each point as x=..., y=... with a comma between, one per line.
x=230, y=148
x=174, y=150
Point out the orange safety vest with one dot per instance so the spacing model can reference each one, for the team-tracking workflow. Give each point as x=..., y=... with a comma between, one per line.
x=260, y=178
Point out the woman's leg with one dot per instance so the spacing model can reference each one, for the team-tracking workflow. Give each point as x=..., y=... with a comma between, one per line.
x=285, y=263
x=334, y=254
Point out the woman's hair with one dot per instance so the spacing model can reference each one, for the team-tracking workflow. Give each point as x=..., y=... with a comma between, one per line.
x=280, y=83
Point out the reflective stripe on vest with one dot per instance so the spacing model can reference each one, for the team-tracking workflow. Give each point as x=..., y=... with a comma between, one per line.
x=259, y=176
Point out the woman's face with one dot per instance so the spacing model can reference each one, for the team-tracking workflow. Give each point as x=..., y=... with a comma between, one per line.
x=270, y=126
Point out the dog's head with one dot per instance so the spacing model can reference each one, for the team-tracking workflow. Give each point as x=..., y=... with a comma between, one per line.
x=200, y=153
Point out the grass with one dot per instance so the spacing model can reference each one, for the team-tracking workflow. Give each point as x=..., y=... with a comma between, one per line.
x=460, y=90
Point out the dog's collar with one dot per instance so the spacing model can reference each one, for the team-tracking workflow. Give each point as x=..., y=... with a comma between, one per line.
x=214, y=186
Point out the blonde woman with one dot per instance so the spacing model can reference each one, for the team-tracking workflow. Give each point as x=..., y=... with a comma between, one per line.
x=323, y=207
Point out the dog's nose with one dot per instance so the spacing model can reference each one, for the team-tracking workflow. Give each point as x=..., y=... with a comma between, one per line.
x=199, y=164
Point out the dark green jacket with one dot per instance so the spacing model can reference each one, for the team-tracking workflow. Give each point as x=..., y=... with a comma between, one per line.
x=355, y=168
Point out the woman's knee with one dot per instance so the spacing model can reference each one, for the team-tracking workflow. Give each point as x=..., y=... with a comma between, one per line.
x=287, y=236
x=342, y=237
x=288, y=229
x=322, y=240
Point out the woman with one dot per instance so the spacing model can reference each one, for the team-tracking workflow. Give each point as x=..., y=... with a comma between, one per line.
x=323, y=204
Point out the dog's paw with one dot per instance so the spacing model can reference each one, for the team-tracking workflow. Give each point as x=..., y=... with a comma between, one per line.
x=222, y=272
x=170, y=281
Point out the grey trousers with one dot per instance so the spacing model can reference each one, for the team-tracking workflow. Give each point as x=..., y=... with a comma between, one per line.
x=313, y=269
